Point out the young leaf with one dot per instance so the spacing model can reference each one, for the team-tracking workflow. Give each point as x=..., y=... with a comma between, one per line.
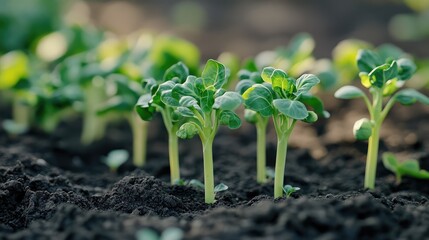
x=228, y=101
x=305, y=83
x=315, y=103
x=187, y=130
x=213, y=74
x=144, y=108
x=230, y=119
x=349, y=92
x=311, y=118
x=291, y=108
x=410, y=96
x=288, y=190
x=184, y=111
x=406, y=68
x=266, y=74
x=187, y=101
x=220, y=188
x=178, y=70
x=207, y=100
x=362, y=129
x=390, y=162
x=367, y=60
x=259, y=99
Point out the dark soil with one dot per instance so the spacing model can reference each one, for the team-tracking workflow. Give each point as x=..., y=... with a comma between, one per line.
x=53, y=188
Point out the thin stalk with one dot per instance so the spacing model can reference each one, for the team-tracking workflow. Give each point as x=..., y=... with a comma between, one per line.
x=173, y=144
x=261, y=127
x=93, y=125
x=282, y=144
x=173, y=151
x=139, y=131
x=373, y=143
x=209, y=194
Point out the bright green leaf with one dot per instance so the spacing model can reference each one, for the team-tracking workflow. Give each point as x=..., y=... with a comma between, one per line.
x=305, y=83
x=213, y=74
x=259, y=98
x=228, y=101
x=291, y=108
x=187, y=130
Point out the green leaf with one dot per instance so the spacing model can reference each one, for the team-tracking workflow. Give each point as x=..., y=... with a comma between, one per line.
x=266, y=74
x=187, y=130
x=259, y=98
x=311, y=118
x=406, y=68
x=288, y=190
x=230, y=119
x=367, y=60
x=166, y=86
x=207, y=100
x=305, y=83
x=187, y=101
x=178, y=71
x=184, y=112
x=13, y=67
x=349, y=92
x=390, y=162
x=291, y=108
x=144, y=108
x=411, y=168
x=220, y=188
x=243, y=85
x=410, y=96
x=228, y=101
x=315, y=103
x=168, y=98
x=213, y=74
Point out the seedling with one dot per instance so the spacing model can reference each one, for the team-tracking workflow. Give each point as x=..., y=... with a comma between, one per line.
x=288, y=190
x=115, y=159
x=409, y=168
x=383, y=76
x=282, y=98
x=207, y=106
x=123, y=102
x=160, y=98
x=247, y=79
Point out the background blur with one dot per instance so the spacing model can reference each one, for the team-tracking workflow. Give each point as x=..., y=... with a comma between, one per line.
x=243, y=27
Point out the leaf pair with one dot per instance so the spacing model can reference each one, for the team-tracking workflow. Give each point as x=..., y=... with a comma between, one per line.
x=410, y=168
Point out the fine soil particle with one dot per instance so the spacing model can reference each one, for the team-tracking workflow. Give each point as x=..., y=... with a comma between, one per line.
x=53, y=188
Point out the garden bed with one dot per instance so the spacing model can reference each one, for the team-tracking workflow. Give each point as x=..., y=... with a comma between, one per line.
x=51, y=188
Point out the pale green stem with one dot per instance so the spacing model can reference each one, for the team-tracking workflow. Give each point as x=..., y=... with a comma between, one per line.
x=261, y=127
x=173, y=151
x=373, y=143
x=209, y=194
x=282, y=144
x=173, y=144
x=139, y=131
x=93, y=125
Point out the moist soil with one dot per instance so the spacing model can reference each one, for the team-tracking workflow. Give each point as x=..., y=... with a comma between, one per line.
x=53, y=188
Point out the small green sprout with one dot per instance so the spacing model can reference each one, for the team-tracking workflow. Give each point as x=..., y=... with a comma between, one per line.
x=13, y=128
x=410, y=168
x=171, y=233
x=207, y=106
x=161, y=98
x=383, y=75
x=283, y=98
x=288, y=190
x=115, y=159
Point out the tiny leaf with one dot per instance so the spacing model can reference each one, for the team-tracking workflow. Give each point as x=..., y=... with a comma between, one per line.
x=228, y=101
x=187, y=130
x=220, y=188
x=410, y=96
x=230, y=119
